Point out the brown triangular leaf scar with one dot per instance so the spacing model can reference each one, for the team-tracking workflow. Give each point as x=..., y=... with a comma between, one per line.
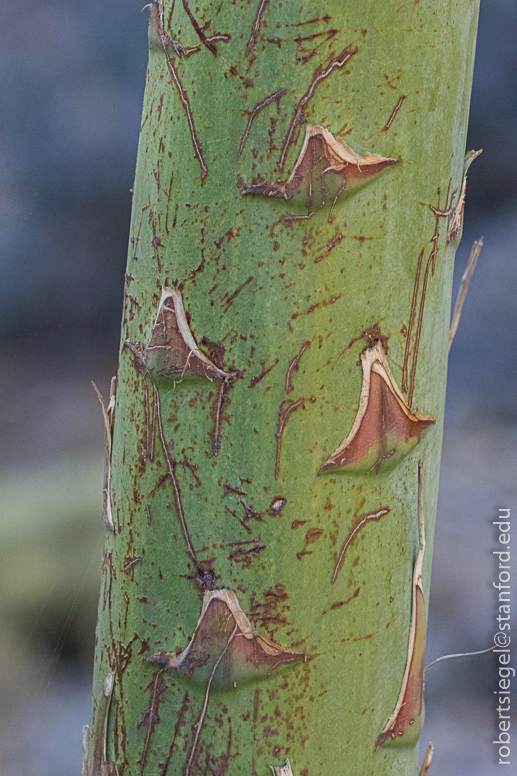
x=385, y=429
x=326, y=165
x=223, y=630
x=172, y=350
x=404, y=725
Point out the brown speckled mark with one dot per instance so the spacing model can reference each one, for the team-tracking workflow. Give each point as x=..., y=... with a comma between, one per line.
x=312, y=535
x=255, y=27
x=231, y=489
x=275, y=97
x=236, y=516
x=151, y=716
x=255, y=380
x=305, y=54
x=240, y=555
x=394, y=113
x=339, y=604
x=231, y=299
x=358, y=524
x=317, y=305
x=298, y=117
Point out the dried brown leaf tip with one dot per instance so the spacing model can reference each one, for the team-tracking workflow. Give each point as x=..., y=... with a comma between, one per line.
x=404, y=725
x=326, y=166
x=224, y=631
x=172, y=350
x=108, y=415
x=385, y=429
x=426, y=763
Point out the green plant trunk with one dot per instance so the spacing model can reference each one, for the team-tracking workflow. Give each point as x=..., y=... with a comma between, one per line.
x=227, y=469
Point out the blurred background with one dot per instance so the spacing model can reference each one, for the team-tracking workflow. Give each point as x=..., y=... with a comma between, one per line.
x=71, y=87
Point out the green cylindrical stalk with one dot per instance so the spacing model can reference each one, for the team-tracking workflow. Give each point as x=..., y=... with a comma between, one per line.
x=282, y=374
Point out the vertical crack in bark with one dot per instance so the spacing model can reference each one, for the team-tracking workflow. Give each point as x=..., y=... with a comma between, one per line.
x=171, y=466
x=321, y=72
x=361, y=521
x=167, y=43
x=199, y=724
x=108, y=416
x=294, y=365
x=218, y=409
x=287, y=407
x=255, y=27
x=99, y=766
x=404, y=724
x=412, y=315
x=188, y=112
x=275, y=97
x=149, y=437
x=394, y=113
x=151, y=715
x=177, y=727
x=447, y=213
x=199, y=32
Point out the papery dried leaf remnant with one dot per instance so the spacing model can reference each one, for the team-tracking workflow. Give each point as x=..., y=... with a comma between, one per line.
x=246, y=654
x=457, y=221
x=326, y=165
x=108, y=415
x=405, y=723
x=385, y=429
x=98, y=765
x=286, y=770
x=172, y=350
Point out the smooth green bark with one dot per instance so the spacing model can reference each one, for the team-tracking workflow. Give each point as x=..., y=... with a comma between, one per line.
x=257, y=287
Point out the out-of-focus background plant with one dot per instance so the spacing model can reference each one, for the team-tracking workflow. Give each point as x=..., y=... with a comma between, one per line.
x=71, y=87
